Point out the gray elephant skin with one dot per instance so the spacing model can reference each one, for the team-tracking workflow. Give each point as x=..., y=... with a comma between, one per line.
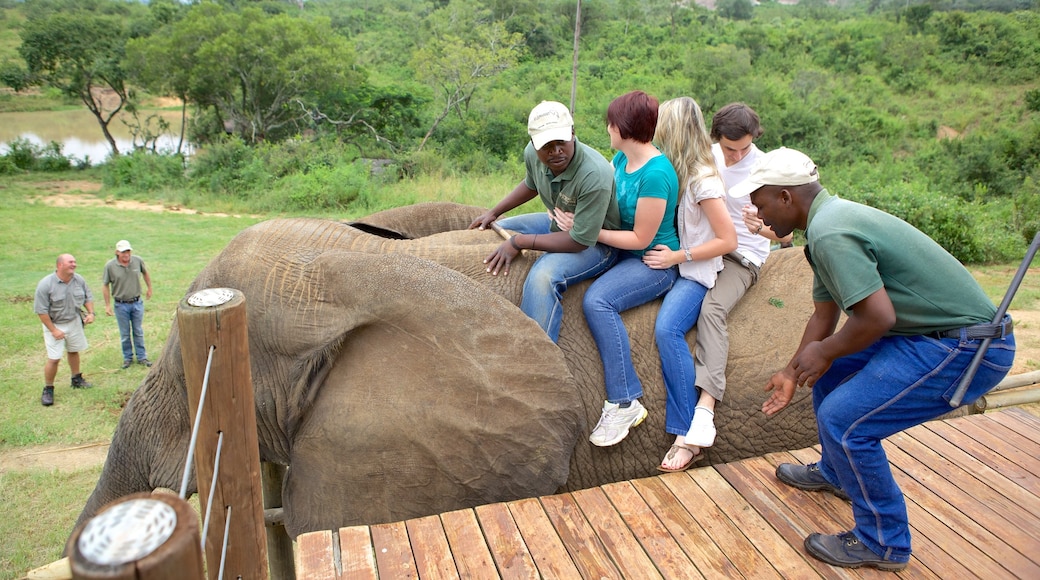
x=398, y=379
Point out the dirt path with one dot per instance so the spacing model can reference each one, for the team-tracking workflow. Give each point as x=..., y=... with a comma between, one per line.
x=54, y=457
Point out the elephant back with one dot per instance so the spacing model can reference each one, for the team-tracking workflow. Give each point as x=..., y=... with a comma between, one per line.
x=764, y=330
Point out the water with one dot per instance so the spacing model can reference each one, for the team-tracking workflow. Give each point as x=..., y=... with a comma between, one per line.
x=79, y=132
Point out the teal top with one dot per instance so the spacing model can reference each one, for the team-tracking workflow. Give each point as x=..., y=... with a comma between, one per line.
x=656, y=179
x=855, y=250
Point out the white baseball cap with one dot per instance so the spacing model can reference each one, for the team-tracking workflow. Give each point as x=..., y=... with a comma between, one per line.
x=122, y=246
x=781, y=166
x=550, y=121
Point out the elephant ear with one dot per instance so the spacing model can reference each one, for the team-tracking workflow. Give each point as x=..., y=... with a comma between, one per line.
x=440, y=394
x=419, y=220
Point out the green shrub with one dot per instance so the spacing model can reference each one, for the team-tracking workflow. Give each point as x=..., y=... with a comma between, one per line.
x=953, y=223
x=50, y=158
x=143, y=171
x=22, y=153
x=220, y=167
x=7, y=166
x=324, y=188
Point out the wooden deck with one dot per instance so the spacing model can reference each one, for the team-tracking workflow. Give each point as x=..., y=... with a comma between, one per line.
x=972, y=486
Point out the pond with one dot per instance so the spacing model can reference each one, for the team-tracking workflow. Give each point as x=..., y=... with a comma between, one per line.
x=79, y=134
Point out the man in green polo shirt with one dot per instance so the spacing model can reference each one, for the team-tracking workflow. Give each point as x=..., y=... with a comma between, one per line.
x=573, y=181
x=121, y=282
x=916, y=318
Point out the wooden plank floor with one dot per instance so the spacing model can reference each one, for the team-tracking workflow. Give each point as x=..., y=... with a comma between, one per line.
x=972, y=486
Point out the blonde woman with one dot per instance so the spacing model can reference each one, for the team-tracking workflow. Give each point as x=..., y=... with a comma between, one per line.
x=706, y=233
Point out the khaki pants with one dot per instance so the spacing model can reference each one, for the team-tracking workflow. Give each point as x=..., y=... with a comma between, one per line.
x=712, y=349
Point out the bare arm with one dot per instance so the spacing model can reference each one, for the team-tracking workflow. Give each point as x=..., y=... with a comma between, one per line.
x=147, y=282
x=520, y=195
x=649, y=212
x=49, y=324
x=108, y=299
x=724, y=242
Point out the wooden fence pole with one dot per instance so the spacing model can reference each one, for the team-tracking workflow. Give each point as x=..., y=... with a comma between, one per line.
x=143, y=536
x=216, y=317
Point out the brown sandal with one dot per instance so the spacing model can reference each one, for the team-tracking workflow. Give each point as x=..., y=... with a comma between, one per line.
x=671, y=453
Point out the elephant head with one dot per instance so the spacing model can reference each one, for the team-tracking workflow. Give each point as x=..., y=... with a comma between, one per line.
x=397, y=378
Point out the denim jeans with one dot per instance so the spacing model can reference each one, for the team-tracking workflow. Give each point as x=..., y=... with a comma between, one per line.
x=678, y=314
x=129, y=316
x=554, y=272
x=897, y=383
x=628, y=284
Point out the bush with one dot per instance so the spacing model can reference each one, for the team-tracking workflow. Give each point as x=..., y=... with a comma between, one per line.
x=221, y=167
x=143, y=171
x=951, y=222
x=22, y=153
x=27, y=156
x=324, y=188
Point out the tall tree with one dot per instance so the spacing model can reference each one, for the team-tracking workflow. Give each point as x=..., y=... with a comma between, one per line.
x=81, y=53
x=262, y=73
x=465, y=48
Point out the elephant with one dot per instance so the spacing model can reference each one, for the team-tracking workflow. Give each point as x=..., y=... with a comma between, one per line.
x=397, y=378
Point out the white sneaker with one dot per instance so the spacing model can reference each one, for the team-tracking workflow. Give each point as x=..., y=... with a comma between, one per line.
x=615, y=422
x=702, y=428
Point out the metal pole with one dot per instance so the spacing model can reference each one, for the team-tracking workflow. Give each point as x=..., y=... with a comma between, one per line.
x=969, y=375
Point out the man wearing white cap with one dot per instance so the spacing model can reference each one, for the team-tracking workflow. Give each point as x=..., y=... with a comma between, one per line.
x=122, y=283
x=916, y=317
x=576, y=184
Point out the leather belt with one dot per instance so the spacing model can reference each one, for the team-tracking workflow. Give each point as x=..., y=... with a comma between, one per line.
x=978, y=331
x=130, y=301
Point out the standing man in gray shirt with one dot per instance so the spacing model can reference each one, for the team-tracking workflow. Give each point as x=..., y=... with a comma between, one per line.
x=123, y=274
x=59, y=300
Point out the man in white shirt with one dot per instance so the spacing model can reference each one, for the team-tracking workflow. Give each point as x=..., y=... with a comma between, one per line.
x=734, y=129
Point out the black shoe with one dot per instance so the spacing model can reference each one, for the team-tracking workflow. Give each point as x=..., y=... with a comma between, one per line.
x=807, y=477
x=847, y=551
x=48, y=396
x=144, y=361
x=78, y=382
x=127, y=363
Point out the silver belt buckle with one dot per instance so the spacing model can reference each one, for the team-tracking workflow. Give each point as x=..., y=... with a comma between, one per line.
x=745, y=262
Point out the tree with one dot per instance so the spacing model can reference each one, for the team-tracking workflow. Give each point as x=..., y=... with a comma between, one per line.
x=735, y=9
x=80, y=53
x=262, y=73
x=464, y=50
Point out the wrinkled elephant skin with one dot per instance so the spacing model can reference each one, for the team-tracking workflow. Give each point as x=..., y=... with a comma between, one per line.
x=398, y=379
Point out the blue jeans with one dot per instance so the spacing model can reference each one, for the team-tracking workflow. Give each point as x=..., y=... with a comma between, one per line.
x=129, y=316
x=628, y=284
x=553, y=272
x=678, y=314
x=896, y=383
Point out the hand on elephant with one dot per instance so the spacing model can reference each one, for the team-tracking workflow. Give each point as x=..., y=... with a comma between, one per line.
x=659, y=257
x=564, y=219
x=501, y=258
x=483, y=221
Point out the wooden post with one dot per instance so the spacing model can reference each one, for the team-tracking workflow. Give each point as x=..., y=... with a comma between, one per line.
x=216, y=318
x=143, y=536
x=279, y=545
